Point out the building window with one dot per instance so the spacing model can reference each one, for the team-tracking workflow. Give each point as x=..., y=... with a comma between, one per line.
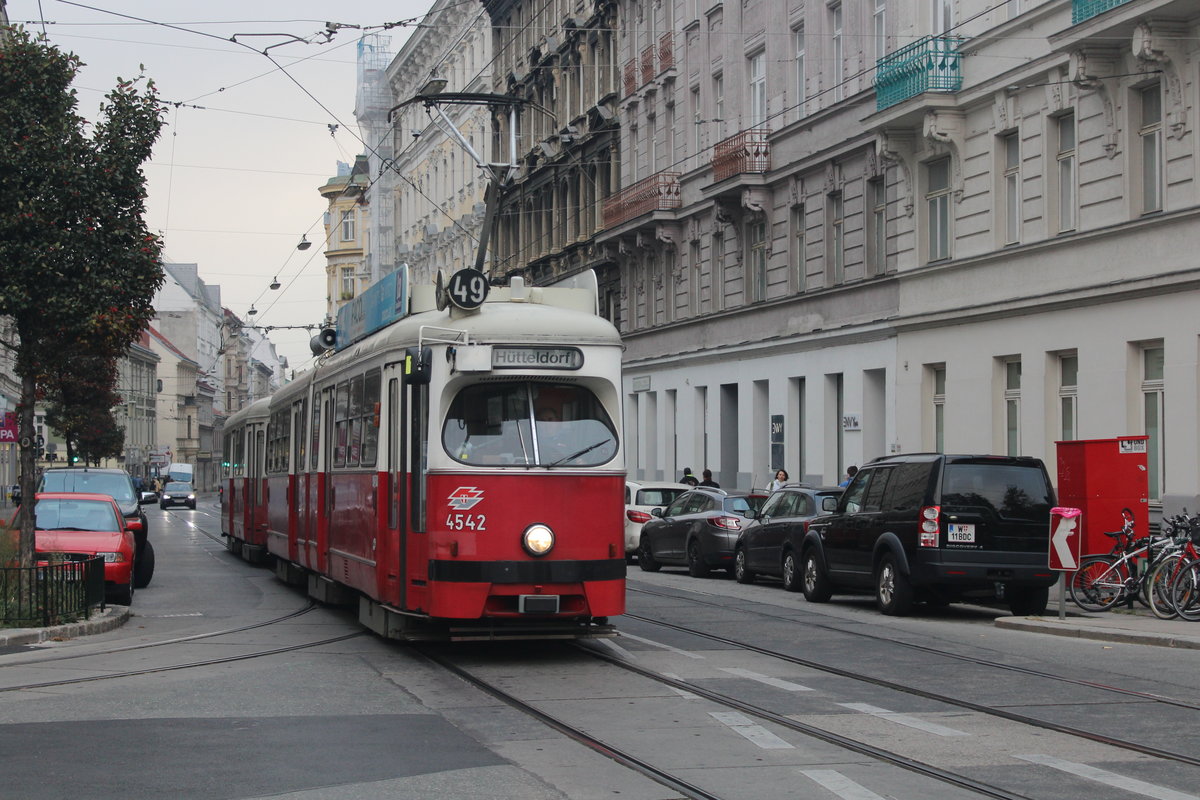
x=718, y=83
x=697, y=120
x=717, y=278
x=1011, y=153
x=694, y=249
x=835, y=29
x=1066, y=172
x=758, y=89
x=1153, y=405
x=798, y=54
x=1150, y=133
x=938, y=379
x=1068, y=389
x=835, y=253
x=757, y=261
x=1012, y=406
x=347, y=283
x=879, y=21
x=937, y=200
x=799, y=260
x=877, y=226
x=943, y=16
x=348, y=226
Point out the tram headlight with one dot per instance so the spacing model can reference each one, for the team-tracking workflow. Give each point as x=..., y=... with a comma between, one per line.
x=537, y=540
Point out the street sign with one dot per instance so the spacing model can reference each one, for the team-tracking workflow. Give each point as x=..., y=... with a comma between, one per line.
x=1066, y=538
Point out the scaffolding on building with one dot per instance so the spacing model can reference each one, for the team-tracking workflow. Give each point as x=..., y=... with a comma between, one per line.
x=371, y=105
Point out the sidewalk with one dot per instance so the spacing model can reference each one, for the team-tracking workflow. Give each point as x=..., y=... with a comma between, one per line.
x=110, y=618
x=1129, y=626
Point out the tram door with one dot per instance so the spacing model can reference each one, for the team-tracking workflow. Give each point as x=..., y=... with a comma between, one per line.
x=395, y=487
x=298, y=487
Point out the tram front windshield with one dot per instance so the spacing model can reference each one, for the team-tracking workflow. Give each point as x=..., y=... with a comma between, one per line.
x=526, y=423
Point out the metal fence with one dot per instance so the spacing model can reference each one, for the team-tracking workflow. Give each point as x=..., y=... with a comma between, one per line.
x=51, y=594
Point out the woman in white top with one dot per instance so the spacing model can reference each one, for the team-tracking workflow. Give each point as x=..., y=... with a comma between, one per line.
x=781, y=478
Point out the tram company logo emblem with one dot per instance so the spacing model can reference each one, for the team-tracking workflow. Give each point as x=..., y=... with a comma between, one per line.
x=464, y=498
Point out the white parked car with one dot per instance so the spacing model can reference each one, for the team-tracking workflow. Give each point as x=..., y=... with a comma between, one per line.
x=639, y=499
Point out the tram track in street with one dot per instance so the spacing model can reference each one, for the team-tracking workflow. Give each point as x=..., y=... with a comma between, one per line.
x=54, y=657
x=187, y=665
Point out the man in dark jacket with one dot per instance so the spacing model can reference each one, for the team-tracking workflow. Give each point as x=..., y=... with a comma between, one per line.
x=688, y=477
x=708, y=481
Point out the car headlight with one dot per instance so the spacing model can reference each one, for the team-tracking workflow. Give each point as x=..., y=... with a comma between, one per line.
x=166, y=496
x=112, y=558
x=538, y=539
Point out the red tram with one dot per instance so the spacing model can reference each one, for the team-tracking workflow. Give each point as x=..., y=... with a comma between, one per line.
x=459, y=470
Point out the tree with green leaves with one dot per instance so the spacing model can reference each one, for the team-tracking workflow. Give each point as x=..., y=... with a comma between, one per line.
x=78, y=266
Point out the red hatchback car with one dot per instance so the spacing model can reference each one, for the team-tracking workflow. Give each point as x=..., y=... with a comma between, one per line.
x=90, y=525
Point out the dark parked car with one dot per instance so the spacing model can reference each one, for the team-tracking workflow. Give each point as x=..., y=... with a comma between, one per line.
x=117, y=484
x=698, y=530
x=937, y=528
x=770, y=544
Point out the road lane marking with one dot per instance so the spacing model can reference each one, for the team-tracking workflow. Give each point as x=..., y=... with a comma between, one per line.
x=686, y=695
x=741, y=724
x=778, y=683
x=839, y=784
x=1108, y=778
x=653, y=643
x=903, y=719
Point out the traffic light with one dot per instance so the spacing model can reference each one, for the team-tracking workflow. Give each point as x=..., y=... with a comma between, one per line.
x=74, y=459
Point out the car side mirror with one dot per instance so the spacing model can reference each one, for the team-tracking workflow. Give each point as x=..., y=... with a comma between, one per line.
x=829, y=504
x=656, y=512
x=146, y=497
x=134, y=525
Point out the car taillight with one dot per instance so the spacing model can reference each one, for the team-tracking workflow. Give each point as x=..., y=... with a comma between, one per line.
x=725, y=523
x=930, y=526
x=637, y=516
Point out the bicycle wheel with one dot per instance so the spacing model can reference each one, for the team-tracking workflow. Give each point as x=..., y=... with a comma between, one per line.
x=1185, y=590
x=1159, y=587
x=1098, y=584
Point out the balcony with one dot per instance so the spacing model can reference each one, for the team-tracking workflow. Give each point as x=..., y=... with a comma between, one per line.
x=648, y=64
x=747, y=151
x=1083, y=10
x=666, y=52
x=931, y=64
x=630, y=75
x=659, y=192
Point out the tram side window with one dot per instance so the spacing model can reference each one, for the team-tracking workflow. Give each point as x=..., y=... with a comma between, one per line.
x=370, y=426
x=341, y=423
x=237, y=452
x=356, y=421
x=300, y=413
x=523, y=423
x=278, y=436
x=314, y=451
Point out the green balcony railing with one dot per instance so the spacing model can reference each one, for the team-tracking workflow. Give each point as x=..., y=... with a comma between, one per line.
x=931, y=64
x=1086, y=9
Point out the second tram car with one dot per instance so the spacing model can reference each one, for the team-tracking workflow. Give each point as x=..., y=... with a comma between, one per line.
x=460, y=470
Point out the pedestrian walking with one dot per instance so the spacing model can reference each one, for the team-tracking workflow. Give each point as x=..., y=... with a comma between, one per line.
x=688, y=477
x=708, y=481
x=781, y=479
x=851, y=471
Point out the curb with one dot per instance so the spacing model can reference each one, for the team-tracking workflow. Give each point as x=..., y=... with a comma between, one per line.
x=111, y=618
x=1123, y=635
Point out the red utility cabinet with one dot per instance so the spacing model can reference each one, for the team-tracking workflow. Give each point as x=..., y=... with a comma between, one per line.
x=1101, y=477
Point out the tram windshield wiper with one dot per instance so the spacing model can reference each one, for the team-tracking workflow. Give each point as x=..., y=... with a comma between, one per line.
x=584, y=451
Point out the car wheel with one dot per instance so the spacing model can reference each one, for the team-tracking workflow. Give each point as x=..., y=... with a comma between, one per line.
x=893, y=590
x=1026, y=601
x=646, y=561
x=123, y=595
x=143, y=566
x=192, y=506
x=790, y=572
x=696, y=566
x=816, y=582
x=163, y=506
x=740, y=571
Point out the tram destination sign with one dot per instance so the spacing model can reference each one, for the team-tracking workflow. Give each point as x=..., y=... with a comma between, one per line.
x=568, y=358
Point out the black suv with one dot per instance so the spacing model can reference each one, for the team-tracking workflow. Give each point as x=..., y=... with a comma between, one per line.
x=937, y=528
x=118, y=484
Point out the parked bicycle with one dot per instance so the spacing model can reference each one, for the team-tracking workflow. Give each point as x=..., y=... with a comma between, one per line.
x=1185, y=533
x=1103, y=581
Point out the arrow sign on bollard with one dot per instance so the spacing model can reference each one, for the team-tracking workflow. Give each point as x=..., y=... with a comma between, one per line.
x=1066, y=538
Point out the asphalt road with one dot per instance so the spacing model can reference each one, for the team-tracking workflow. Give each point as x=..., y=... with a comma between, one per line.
x=226, y=683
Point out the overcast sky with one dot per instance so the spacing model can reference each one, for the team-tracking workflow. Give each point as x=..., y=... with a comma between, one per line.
x=234, y=178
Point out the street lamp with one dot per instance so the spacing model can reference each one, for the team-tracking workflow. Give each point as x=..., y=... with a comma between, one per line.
x=304, y=243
